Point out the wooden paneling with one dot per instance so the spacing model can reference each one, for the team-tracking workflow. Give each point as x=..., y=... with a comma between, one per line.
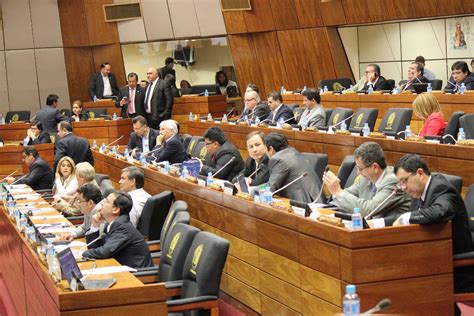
x=259, y=19
x=356, y=11
x=79, y=67
x=243, y=250
x=333, y=13
x=281, y=291
x=272, y=307
x=320, y=60
x=113, y=55
x=279, y=266
x=243, y=272
x=284, y=14
x=244, y=293
x=72, y=16
x=279, y=240
x=100, y=32
x=308, y=12
x=321, y=285
x=338, y=54
x=313, y=305
x=234, y=22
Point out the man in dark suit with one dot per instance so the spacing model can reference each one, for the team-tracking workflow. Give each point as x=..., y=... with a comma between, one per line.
x=131, y=98
x=143, y=138
x=279, y=110
x=254, y=107
x=168, y=69
x=103, y=83
x=39, y=176
x=49, y=116
x=219, y=152
x=286, y=165
x=372, y=77
x=168, y=145
x=122, y=240
x=158, y=99
x=460, y=74
x=35, y=135
x=415, y=76
x=71, y=145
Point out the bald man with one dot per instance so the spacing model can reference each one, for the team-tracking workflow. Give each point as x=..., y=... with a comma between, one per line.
x=158, y=99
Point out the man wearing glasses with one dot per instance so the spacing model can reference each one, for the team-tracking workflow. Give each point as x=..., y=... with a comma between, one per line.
x=143, y=138
x=372, y=77
x=35, y=135
x=460, y=74
x=254, y=107
x=39, y=176
x=376, y=181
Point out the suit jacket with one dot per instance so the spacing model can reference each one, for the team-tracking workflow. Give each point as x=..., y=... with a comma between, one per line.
x=138, y=101
x=287, y=165
x=380, y=84
x=409, y=85
x=123, y=242
x=136, y=141
x=259, y=177
x=161, y=101
x=162, y=72
x=442, y=203
x=40, y=175
x=43, y=138
x=81, y=230
x=468, y=82
x=225, y=153
x=172, y=150
x=285, y=113
x=361, y=194
x=96, y=85
x=316, y=118
x=49, y=118
x=262, y=110
x=75, y=147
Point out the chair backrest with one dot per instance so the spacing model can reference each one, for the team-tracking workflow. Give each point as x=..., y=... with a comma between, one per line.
x=297, y=113
x=336, y=84
x=390, y=84
x=154, y=214
x=203, y=266
x=66, y=112
x=328, y=115
x=452, y=127
x=192, y=143
x=200, y=150
x=362, y=116
x=211, y=88
x=469, y=202
x=17, y=116
x=317, y=161
x=97, y=113
x=186, y=140
x=436, y=84
x=174, y=252
x=347, y=171
x=455, y=181
x=402, y=82
x=467, y=123
x=178, y=214
x=99, y=177
x=292, y=106
x=339, y=114
x=106, y=187
x=395, y=120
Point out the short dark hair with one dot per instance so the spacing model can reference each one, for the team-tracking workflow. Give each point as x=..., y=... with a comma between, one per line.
x=169, y=60
x=37, y=124
x=215, y=134
x=411, y=163
x=65, y=125
x=312, y=94
x=461, y=65
x=123, y=201
x=30, y=150
x=420, y=59
x=376, y=69
x=103, y=65
x=51, y=99
x=277, y=141
x=419, y=67
x=369, y=153
x=139, y=119
x=137, y=174
x=90, y=191
x=253, y=86
x=133, y=74
x=275, y=95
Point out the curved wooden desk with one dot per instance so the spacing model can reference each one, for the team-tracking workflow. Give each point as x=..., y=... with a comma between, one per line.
x=11, y=159
x=13, y=131
x=104, y=131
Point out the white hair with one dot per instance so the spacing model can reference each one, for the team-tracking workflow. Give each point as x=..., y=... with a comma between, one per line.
x=170, y=124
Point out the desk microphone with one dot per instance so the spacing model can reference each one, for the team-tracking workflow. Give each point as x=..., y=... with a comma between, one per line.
x=106, y=116
x=383, y=304
x=451, y=136
x=10, y=175
x=115, y=141
x=291, y=118
x=250, y=176
x=455, y=85
x=154, y=150
x=339, y=123
x=383, y=202
x=287, y=185
x=418, y=79
x=231, y=110
x=98, y=238
x=228, y=162
x=322, y=185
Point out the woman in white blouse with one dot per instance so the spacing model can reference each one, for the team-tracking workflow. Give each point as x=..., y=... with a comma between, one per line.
x=65, y=183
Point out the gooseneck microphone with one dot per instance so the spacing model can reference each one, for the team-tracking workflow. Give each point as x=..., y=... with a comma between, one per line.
x=383, y=304
x=114, y=141
x=383, y=202
x=16, y=181
x=287, y=185
x=339, y=123
x=10, y=175
x=98, y=238
x=322, y=185
x=222, y=168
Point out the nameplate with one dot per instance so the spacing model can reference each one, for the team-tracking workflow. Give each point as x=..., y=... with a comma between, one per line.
x=201, y=183
x=232, y=123
x=299, y=211
x=355, y=134
x=433, y=141
x=228, y=190
x=390, y=137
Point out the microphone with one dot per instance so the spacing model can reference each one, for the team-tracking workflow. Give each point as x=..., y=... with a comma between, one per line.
x=10, y=175
x=115, y=141
x=455, y=85
x=383, y=202
x=14, y=182
x=451, y=136
x=339, y=123
x=98, y=238
x=154, y=150
x=250, y=176
x=287, y=185
x=228, y=162
x=383, y=304
x=106, y=116
x=322, y=185
x=418, y=80
x=291, y=118
x=231, y=110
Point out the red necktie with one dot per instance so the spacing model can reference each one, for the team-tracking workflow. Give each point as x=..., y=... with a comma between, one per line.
x=131, y=104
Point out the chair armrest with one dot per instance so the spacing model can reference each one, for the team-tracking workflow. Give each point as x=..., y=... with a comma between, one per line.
x=76, y=220
x=465, y=259
x=192, y=303
x=174, y=284
x=146, y=270
x=154, y=245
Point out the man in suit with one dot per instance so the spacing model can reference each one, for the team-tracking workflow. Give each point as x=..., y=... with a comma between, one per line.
x=39, y=176
x=122, y=241
x=219, y=152
x=131, y=97
x=35, y=135
x=278, y=109
x=168, y=145
x=372, y=77
x=71, y=145
x=460, y=74
x=132, y=181
x=49, y=116
x=168, y=69
x=286, y=165
x=314, y=114
x=143, y=138
x=103, y=83
x=158, y=99
x=375, y=183
x=415, y=76
x=254, y=107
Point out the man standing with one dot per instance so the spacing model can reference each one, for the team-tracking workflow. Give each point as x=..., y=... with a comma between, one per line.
x=103, y=83
x=314, y=114
x=49, y=116
x=143, y=138
x=71, y=145
x=279, y=110
x=168, y=68
x=131, y=97
x=39, y=176
x=35, y=135
x=168, y=145
x=158, y=99
x=132, y=181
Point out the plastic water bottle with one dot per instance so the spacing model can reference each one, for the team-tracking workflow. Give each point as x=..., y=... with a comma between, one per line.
x=102, y=148
x=282, y=90
x=325, y=89
x=356, y=219
x=280, y=122
x=209, y=117
x=429, y=89
x=224, y=118
x=407, y=131
x=366, y=130
x=370, y=88
x=143, y=160
x=343, y=126
x=321, y=91
x=191, y=117
x=350, y=302
x=246, y=119
x=351, y=87
x=184, y=173
x=209, y=179
x=267, y=195
x=206, y=93
x=257, y=121
x=304, y=125
x=462, y=88
x=114, y=117
x=396, y=90
x=167, y=167
x=2, y=119
x=94, y=98
x=94, y=144
x=304, y=89
x=461, y=134
x=126, y=153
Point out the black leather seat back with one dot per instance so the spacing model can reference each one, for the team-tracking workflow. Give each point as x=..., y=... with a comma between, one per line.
x=436, y=84
x=395, y=120
x=15, y=116
x=336, y=84
x=339, y=114
x=362, y=116
x=154, y=215
x=172, y=217
x=452, y=127
x=467, y=123
x=346, y=170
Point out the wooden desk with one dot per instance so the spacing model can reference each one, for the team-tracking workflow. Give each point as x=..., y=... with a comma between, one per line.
x=105, y=104
x=11, y=159
x=13, y=132
x=283, y=264
x=104, y=131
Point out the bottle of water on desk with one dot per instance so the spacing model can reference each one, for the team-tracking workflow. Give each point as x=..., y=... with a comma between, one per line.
x=126, y=153
x=325, y=89
x=304, y=125
x=257, y=121
x=407, y=131
x=343, y=126
x=462, y=88
x=143, y=160
x=224, y=118
x=280, y=122
x=356, y=223
x=184, y=173
x=429, y=89
x=267, y=195
x=94, y=144
x=246, y=119
x=282, y=90
x=209, y=179
x=191, y=118
x=370, y=89
x=350, y=302
x=114, y=117
x=206, y=93
x=209, y=117
x=396, y=90
x=461, y=134
x=366, y=130
x=2, y=119
x=167, y=167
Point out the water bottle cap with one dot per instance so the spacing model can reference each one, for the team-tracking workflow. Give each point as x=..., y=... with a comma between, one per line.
x=209, y=174
x=350, y=289
x=356, y=210
x=407, y=127
x=366, y=124
x=461, y=129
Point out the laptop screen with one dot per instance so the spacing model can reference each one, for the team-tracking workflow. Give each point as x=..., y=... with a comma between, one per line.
x=69, y=265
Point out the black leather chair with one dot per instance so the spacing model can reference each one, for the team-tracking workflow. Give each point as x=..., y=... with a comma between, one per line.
x=467, y=123
x=66, y=112
x=154, y=215
x=336, y=84
x=211, y=89
x=200, y=150
x=347, y=171
x=186, y=140
x=97, y=113
x=328, y=115
x=292, y=106
x=317, y=161
x=362, y=116
x=436, y=84
x=390, y=84
x=201, y=275
x=192, y=143
x=469, y=202
x=297, y=112
x=337, y=115
x=455, y=181
x=452, y=127
x=395, y=120
x=15, y=116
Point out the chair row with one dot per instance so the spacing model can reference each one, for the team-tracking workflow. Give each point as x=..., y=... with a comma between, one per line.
x=344, y=83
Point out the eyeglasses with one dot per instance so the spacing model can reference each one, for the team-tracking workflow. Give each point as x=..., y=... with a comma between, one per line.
x=80, y=202
x=208, y=144
x=403, y=181
x=248, y=100
x=362, y=169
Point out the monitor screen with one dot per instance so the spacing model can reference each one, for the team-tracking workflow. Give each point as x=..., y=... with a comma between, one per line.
x=68, y=264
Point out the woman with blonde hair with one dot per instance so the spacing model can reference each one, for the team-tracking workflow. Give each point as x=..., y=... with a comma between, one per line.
x=65, y=183
x=427, y=108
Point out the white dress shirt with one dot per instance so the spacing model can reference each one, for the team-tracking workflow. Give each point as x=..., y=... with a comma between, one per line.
x=139, y=198
x=107, y=86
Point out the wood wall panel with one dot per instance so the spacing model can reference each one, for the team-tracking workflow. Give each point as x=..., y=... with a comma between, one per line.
x=113, y=55
x=100, y=32
x=284, y=14
x=320, y=59
x=338, y=54
x=333, y=13
x=72, y=16
x=79, y=66
x=378, y=11
x=234, y=22
x=308, y=12
x=356, y=11
x=260, y=18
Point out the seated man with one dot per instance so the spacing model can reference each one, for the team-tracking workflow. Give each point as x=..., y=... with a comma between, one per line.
x=219, y=152
x=375, y=183
x=254, y=107
x=143, y=138
x=39, y=176
x=168, y=144
x=122, y=241
x=279, y=110
x=314, y=114
x=460, y=74
x=415, y=75
x=285, y=165
x=71, y=145
x=132, y=181
x=372, y=77
x=35, y=135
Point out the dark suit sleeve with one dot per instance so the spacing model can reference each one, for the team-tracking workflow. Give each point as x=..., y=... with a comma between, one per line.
x=89, y=156
x=59, y=152
x=119, y=95
x=43, y=138
x=35, y=174
x=278, y=174
x=261, y=112
x=169, y=100
x=168, y=152
x=448, y=84
x=470, y=85
x=92, y=86
x=132, y=141
x=221, y=161
x=113, y=84
x=116, y=241
x=58, y=116
x=263, y=176
x=442, y=209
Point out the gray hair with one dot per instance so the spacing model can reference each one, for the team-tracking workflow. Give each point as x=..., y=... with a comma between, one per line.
x=252, y=95
x=369, y=153
x=86, y=171
x=170, y=124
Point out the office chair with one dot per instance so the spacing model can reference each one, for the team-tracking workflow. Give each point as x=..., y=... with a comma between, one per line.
x=154, y=215
x=395, y=120
x=15, y=116
x=362, y=116
x=337, y=115
x=467, y=123
x=97, y=113
x=297, y=112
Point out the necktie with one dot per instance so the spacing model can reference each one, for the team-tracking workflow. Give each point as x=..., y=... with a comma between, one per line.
x=131, y=104
x=148, y=97
x=374, y=188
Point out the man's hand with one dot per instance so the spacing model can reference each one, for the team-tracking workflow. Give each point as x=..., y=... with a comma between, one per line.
x=97, y=219
x=31, y=134
x=66, y=236
x=159, y=139
x=333, y=183
x=124, y=101
x=10, y=180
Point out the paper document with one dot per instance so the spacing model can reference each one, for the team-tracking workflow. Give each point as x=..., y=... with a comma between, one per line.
x=108, y=270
